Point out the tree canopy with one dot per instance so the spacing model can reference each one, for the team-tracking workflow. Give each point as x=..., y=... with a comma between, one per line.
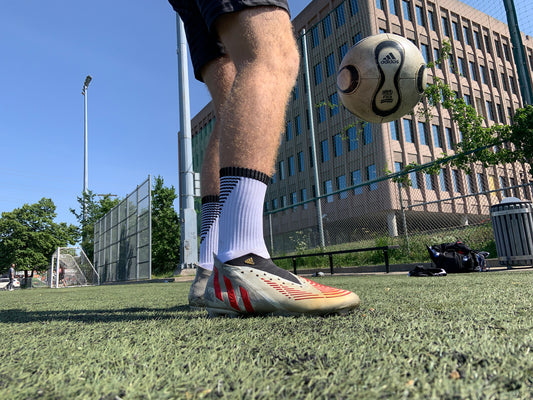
x=29, y=236
x=165, y=228
x=95, y=209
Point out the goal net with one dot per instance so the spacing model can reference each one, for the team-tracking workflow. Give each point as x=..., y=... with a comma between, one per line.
x=71, y=267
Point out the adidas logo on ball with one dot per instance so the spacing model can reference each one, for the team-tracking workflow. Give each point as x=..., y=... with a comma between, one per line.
x=389, y=59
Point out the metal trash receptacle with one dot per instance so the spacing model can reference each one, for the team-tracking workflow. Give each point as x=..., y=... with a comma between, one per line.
x=512, y=223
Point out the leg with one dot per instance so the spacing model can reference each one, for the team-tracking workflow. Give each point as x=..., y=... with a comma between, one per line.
x=260, y=43
x=219, y=76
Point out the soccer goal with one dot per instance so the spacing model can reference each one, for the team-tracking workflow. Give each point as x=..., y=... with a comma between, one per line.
x=71, y=267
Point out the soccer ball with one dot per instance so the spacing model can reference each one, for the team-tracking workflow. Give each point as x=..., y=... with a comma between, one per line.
x=382, y=78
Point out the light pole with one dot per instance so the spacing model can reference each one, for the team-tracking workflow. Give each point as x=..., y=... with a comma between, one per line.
x=85, y=161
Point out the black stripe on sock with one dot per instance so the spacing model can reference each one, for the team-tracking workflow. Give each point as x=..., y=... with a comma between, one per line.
x=245, y=173
x=210, y=199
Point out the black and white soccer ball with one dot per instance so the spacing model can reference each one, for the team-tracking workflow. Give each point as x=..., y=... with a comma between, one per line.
x=382, y=78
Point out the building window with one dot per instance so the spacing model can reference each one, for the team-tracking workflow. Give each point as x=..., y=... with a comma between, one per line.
x=471, y=185
x=413, y=177
x=343, y=50
x=371, y=175
x=473, y=73
x=341, y=18
x=328, y=188
x=330, y=65
x=477, y=39
x=356, y=180
x=354, y=7
x=455, y=29
x=314, y=35
x=367, y=134
x=290, y=164
x=322, y=113
x=301, y=164
x=281, y=170
x=324, y=150
x=425, y=52
x=318, y=73
x=283, y=201
x=341, y=185
x=298, y=124
x=449, y=138
x=480, y=182
x=311, y=157
x=407, y=10
x=422, y=133
x=352, y=138
x=431, y=19
x=436, y=136
x=487, y=44
x=337, y=143
x=357, y=38
x=483, y=73
x=407, y=131
x=466, y=34
x=420, y=15
x=461, y=63
x=512, y=83
x=393, y=130
x=490, y=113
x=429, y=181
x=445, y=28
x=442, y=181
x=274, y=204
x=379, y=5
x=436, y=56
x=493, y=78
x=327, y=26
x=288, y=132
x=294, y=199
x=303, y=197
x=456, y=178
x=334, y=104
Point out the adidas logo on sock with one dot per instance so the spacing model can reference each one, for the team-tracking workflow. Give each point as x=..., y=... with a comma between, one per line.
x=249, y=261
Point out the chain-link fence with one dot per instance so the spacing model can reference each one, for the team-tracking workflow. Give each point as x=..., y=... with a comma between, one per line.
x=429, y=209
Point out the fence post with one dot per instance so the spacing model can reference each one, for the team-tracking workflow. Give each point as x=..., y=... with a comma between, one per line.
x=404, y=220
x=386, y=255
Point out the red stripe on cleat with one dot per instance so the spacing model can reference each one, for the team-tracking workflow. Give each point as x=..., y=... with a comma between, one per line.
x=218, y=292
x=231, y=294
x=246, y=300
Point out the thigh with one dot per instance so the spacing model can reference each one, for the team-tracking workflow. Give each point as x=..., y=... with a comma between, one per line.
x=204, y=46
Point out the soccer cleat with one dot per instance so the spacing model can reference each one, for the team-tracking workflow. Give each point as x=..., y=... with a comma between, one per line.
x=252, y=285
x=197, y=290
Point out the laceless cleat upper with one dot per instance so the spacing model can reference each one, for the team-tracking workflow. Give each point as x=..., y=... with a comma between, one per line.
x=252, y=285
x=197, y=290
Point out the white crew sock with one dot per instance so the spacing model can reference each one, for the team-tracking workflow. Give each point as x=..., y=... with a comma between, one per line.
x=242, y=194
x=209, y=231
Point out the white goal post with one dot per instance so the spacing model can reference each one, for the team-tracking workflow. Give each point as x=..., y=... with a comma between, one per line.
x=70, y=267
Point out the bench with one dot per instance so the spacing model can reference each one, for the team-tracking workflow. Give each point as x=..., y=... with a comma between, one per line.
x=330, y=254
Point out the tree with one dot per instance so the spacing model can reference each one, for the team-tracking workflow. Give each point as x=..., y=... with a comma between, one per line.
x=29, y=236
x=165, y=228
x=95, y=209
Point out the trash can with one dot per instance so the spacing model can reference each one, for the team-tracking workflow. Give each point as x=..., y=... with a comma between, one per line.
x=512, y=223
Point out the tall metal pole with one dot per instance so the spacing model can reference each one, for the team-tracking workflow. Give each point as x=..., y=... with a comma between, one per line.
x=85, y=145
x=519, y=54
x=189, y=236
x=313, y=142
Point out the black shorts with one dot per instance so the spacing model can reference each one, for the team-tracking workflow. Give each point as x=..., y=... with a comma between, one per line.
x=198, y=17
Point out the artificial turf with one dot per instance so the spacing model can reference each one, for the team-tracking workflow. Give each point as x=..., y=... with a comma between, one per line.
x=455, y=337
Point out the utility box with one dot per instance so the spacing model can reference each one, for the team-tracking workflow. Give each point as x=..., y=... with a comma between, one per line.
x=512, y=223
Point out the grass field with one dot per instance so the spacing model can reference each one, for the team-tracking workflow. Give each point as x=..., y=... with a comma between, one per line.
x=456, y=337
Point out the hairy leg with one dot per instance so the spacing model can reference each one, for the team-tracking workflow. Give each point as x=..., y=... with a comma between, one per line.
x=261, y=44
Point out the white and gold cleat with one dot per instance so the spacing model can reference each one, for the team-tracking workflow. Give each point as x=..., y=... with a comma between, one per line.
x=252, y=285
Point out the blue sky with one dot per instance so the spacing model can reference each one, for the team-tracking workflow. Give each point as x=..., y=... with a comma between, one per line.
x=47, y=49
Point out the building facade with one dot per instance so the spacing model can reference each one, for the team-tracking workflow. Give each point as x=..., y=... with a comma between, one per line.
x=351, y=158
